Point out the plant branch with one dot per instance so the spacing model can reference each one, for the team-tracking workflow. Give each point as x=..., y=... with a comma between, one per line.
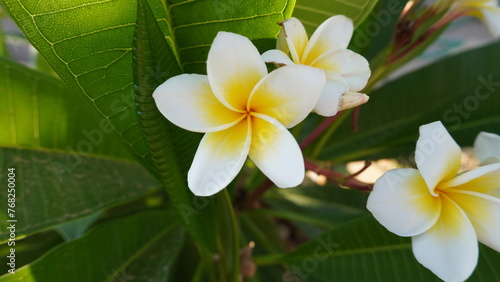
x=254, y=198
x=319, y=130
x=341, y=179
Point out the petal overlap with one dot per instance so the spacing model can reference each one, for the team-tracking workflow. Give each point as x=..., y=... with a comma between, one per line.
x=437, y=155
x=326, y=50
x=483, y=179
x=243, y=111
x=290, y=102
x=329, y=100
x=401, y=202
x=483, y=211
x=188, y=101
x=220, y=156
x=469, y=205
x=234, y=67
x=295, y=36
x=275, y=152
x=276, y=56
x=449, y=249
x=333, y=34
x=487, y=146
x=353, y=67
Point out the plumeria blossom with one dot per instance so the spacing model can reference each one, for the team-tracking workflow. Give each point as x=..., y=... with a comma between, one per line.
x=444, y=213
x=487, y=150
x=487, y=147
x=486, y=10
x=346, y=71
x=244, y=111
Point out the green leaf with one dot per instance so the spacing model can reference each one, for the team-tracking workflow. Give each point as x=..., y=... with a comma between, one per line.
x=30, y=248
x=141, y=247
x=36, y=112
x=91, y=49
x=313, y=12
x=366, y=251
x=259, y=228
x=3, y=46
x=172, y=148
x=376, y=31
x=461, y=91
x=47, y=194
x=315, y=209
x=54, y=146
x=75, y=229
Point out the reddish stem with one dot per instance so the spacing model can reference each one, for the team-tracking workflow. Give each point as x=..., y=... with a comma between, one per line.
x=341, y=179
x=318, y=130
x=367, y=165
x=254, y=197
x=355, y=117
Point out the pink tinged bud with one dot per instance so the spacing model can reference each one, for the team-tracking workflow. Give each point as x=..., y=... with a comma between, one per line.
x=351, y=100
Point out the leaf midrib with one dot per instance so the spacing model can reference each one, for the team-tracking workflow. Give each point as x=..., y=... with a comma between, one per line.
x=140, y=251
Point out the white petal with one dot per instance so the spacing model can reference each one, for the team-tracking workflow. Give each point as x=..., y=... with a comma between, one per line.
x=491, y=17
x=495, y=193
x=295, y=36
x=288, y=94
x=352, y=99
x=329, y=101
x=487, y=145
x=219, y=158
x=352, y=66
x=401, y=202
x=276, y=57
x=188, y=102
x=234, y=66
x=483, y=179
x=437, y=155
x=275, y=152
x=484, y=213
x=335, y=33
x=449, y=249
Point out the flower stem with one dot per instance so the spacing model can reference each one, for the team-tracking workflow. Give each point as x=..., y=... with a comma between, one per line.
x=254, y=198
x=236, y=238
x=355, y=117
x=329, y=132
x=317, y=132
x=341, y=179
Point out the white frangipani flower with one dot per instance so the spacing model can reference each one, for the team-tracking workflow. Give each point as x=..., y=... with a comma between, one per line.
x=486, y=10
x=345, y=70
x=444, y=213
x=487, y=147
x=244, y=111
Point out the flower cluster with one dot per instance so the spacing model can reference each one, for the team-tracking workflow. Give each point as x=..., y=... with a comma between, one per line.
x=486, y=10
x=487, y=148
x=346, y=72
x=245, y=111
x=445, y=213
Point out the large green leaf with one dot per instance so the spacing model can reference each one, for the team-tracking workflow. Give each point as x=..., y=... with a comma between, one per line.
x=366, y=251
x=313, y=12
x=461, y=91
x=67, y=166
x=30, y=248
x=91, y=48
x=154, y=62
x=47, y=195
x=315, y=209
x=376, y=31
x=141, y=247
x=3, y=46
x=36, y=112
